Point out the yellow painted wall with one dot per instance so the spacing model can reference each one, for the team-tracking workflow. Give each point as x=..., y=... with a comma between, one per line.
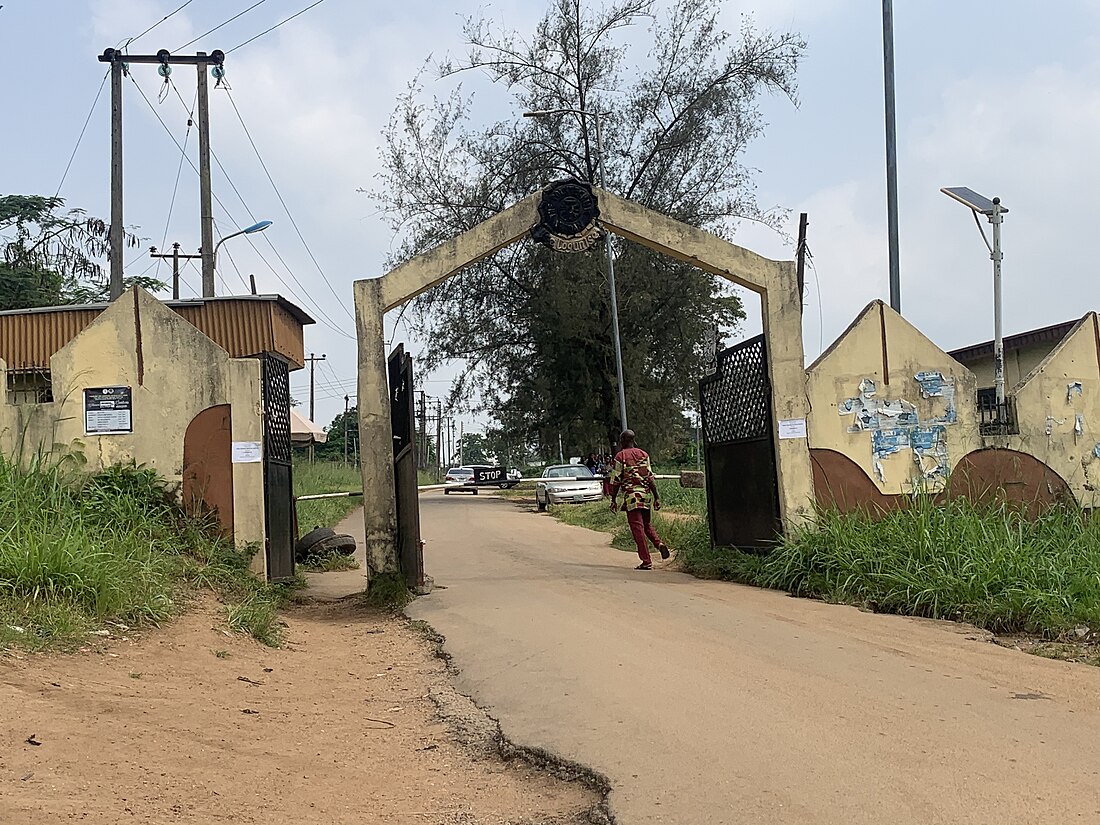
x=1019, y=363
x=858, y=356
x=1045, y=402
x=174, y=371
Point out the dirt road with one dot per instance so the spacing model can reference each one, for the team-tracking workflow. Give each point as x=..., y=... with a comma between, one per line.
x=188, y=724
x=706, y=702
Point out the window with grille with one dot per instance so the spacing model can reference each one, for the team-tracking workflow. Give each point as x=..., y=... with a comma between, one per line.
x=29, y=387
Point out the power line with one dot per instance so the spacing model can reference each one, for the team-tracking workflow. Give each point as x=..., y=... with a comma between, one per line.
x=175, y=186
x=286, y=209
x=325, y=319
x=268, y=31
x=179, y=9
x=83, y=129
x=225, y=23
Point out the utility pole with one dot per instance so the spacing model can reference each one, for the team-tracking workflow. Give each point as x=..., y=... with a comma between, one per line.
x=891, y=152
x=313, y=359
x=800, y=257
x=205, y=206
x=422, y=446
x=117, y=235
x=175, y=255
x=438, y=439
x=119, y=65
x=346, y=430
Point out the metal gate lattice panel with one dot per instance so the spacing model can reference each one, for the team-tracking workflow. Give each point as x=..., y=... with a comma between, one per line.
x=737, y=399
x=279, y=515
x=741, y=478
x=276, y=377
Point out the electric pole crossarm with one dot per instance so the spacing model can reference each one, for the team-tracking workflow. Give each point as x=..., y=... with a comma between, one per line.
x=216, y=57
x=120, y=61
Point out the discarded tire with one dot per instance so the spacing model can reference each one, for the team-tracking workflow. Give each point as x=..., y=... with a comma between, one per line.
x=340, y=543
x=309, y=540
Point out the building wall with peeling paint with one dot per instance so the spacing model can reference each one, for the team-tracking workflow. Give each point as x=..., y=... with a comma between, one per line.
x=1058, y=411
x=174, y=372
x=889, y=399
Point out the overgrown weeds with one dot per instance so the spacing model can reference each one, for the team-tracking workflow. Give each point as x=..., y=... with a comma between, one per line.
x=79, y=550
x=387, y=591
x=330, y=562
x=325, y=477
x=986, y=564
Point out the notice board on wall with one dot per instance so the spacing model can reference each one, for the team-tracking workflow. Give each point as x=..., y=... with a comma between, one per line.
x=108, y=410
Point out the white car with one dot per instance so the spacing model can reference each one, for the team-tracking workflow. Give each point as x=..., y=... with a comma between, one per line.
x=562, y=483
x=459, y=478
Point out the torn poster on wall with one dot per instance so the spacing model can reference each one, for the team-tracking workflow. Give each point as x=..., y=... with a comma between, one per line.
x=931, y=383
x=930, y=450
x=1073, y=389
x=895, y=425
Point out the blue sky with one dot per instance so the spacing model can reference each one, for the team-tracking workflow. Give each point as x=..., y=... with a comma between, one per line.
x=1004, y=98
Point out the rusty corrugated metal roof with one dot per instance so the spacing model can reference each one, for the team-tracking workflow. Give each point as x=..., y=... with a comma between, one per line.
x=242, y=325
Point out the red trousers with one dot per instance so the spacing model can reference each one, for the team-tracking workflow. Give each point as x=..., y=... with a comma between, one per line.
x=641, y=529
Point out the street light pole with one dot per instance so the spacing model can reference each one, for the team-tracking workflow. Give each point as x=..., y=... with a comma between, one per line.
x=998, y=339
x=611, y=288
x=610, y=257
x=992, y=209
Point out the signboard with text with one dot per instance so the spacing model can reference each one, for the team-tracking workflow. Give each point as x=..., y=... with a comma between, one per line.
x=108, y=411
x=490, y=475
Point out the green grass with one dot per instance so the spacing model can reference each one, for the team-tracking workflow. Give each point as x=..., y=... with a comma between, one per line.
x=78, y=551
x=387, y=591
x=329, y=562
x=988, y=565
x=325, y=477
x=677, y=499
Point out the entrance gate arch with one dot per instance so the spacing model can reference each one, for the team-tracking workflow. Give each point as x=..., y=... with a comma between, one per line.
x=774, y=281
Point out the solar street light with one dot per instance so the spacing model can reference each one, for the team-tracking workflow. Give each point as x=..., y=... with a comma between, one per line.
x=993, y=210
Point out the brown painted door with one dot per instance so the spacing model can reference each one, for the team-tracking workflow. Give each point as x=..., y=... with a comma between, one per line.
x=208, y=466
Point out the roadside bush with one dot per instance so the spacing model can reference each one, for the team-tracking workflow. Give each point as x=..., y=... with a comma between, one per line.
x=989, y=565
x=77, y=550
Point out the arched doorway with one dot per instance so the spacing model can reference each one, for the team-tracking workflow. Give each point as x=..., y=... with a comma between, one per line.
x=208, y=466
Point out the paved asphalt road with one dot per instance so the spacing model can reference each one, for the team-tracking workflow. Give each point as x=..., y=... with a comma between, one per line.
x=706, y=702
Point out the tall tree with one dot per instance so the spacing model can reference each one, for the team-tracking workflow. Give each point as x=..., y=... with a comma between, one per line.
x=533, y=326
x=52, y=257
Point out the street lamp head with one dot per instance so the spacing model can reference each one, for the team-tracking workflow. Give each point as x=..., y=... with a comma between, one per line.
x=968, y=197
x=257, y=227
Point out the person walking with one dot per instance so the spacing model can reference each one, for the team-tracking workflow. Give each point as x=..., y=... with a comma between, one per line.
x=633, y=476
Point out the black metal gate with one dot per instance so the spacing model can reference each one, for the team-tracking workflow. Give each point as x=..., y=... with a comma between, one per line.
x=410, y=553
x=278, y=484
x=742, y=482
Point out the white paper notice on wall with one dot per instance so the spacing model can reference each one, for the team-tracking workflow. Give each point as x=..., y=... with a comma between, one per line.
x=247, y=452
x=792, y=428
